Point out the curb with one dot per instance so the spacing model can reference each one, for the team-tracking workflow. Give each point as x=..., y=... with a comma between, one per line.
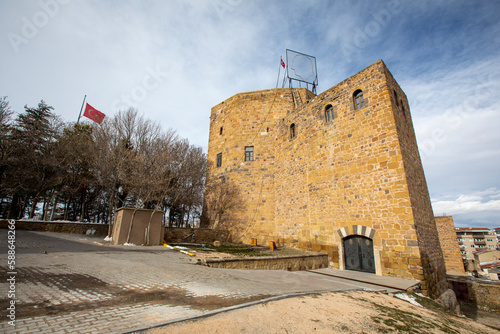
x=417, y=284
x=138, y=330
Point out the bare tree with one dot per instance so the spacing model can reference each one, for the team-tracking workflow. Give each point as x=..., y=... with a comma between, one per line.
x=74, y=153
x=127, y=160
x=185, y=193
x=5, y=129
x=220, y=202
x=111, y=162
x=131, y=160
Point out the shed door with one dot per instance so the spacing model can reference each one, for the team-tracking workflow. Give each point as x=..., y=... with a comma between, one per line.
x=358, y=252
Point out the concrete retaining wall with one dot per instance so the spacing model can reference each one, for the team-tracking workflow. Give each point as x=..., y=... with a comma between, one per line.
x=198, y=235
x=64, y=227
x=291, y=263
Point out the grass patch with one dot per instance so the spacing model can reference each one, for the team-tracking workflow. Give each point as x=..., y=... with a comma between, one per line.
x=238, y=250
x=242, y=250
x=392, y=319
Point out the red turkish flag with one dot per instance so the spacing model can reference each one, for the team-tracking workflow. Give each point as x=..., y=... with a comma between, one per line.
x=282, y=63
x=93, y=114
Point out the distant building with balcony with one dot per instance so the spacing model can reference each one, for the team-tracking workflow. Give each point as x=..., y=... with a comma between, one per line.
x=487, y=263
x=475, y=239
x=497, y=234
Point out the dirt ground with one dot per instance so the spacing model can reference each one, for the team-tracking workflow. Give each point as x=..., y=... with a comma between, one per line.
x=343, y=312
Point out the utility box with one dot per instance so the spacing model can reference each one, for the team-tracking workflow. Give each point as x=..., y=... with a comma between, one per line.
x=146, y=222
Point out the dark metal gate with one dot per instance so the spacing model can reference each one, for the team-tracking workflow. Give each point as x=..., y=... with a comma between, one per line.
x=358, y=254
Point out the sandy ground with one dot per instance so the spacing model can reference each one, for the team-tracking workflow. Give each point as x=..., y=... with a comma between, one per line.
x=344, y=312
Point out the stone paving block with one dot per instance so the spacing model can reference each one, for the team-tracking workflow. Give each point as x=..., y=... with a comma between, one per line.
x=42, y=330
x=176, y=273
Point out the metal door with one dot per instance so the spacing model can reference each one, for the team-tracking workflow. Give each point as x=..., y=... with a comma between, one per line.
x=358, y=254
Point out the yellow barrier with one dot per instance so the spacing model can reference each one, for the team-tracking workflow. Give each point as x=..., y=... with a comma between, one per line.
x=177, y=249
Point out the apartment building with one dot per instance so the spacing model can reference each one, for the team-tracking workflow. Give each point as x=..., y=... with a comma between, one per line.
x=474, y=239
x=497, y=234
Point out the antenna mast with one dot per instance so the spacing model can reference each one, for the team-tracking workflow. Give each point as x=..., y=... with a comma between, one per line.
x=302, y=69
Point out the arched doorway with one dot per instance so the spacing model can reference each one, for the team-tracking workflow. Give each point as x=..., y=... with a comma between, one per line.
x=358, y=254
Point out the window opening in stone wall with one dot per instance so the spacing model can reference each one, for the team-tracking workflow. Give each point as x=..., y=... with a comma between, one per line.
x=396, y=97
x=221, y=129
x=219, y=159
x=292, y=131
x=249, y=153
x=329, y=113
x=359, y=101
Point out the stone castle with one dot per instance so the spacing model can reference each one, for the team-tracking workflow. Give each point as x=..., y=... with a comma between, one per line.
x=338, y=173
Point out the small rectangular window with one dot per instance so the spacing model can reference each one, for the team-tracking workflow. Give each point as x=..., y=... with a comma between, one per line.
x=249, y=153
x=219, y=159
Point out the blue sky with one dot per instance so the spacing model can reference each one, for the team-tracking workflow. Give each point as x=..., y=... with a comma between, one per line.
x=174, y=60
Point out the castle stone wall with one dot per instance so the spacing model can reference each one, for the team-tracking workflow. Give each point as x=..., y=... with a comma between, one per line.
x=249, y=119
x=449, y=245
x=358, y=174
x=428, y=238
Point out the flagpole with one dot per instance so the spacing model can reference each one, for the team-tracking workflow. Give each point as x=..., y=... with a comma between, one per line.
x=279, y=69
x=284, y=75
x=80, y=115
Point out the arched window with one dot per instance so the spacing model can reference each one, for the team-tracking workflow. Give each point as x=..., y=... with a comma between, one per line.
x=292, y=131
x=396, y=97
x=219, y=160
x=403, y=108
x=329, y=113
x=221, y=128
x=359, y=101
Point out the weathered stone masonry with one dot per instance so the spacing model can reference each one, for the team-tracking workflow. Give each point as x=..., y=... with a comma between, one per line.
x=449, y=245
x=327, y=181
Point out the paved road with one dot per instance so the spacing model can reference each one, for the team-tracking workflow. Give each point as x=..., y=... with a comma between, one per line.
x=68, y=283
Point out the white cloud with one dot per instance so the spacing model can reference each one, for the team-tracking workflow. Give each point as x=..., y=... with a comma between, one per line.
x=478, y=201
x=456, y=116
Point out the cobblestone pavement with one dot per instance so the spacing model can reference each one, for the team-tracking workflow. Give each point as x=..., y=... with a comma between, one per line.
x=67, y=283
